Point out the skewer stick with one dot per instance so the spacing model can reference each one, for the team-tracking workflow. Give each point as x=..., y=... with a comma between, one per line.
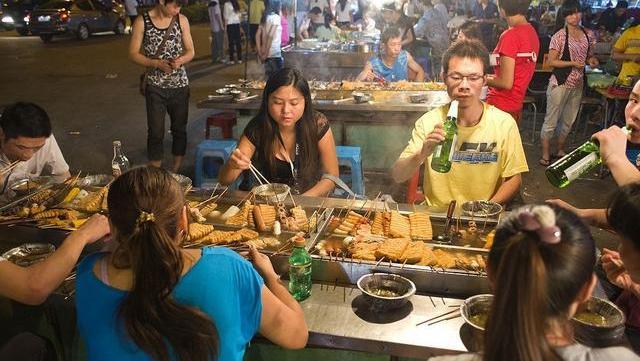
x=292, y=200
x=244, y=199
x=445, y=319
x=255, y=175
x=403, y=263
x=432, y=302
x=381, y=259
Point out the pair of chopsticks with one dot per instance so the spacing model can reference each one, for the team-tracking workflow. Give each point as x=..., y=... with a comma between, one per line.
x=433, y=320
x=257, y=174
x=9, y=168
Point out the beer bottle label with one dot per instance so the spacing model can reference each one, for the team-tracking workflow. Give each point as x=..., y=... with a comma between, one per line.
x=574, y=171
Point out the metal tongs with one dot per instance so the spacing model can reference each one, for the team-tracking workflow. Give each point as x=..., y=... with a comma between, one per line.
x=445, y=237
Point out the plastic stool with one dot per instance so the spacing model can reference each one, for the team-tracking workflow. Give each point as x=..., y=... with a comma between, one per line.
x=350, y=156
x=225, y=121
x=212, y=148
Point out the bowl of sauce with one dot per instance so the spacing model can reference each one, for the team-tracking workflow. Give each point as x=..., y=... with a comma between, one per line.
x=599, y=323
x=475, y=310
x=386, y=291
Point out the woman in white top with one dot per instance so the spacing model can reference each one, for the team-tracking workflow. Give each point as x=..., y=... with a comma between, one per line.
x=344, y=13
x=232, y=24
x=269, y=38
x=541, y=268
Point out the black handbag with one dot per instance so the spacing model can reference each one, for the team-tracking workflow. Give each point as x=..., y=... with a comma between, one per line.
x=562, y=74
x=142, y=87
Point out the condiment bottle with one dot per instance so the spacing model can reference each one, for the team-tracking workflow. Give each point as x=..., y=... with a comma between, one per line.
x=441, y=159
x=300, y=270
x=573, y=165
x=119, y=163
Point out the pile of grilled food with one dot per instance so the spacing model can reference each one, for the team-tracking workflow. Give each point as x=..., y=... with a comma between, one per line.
x=390, y=236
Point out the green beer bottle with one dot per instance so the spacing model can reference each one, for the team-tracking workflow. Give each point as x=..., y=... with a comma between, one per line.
x=573, y=165
x=300, y=282
x=441, y=159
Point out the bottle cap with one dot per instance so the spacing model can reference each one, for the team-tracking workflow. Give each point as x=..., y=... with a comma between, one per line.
x=299, y=241
x=453, y=109
x=626, y=130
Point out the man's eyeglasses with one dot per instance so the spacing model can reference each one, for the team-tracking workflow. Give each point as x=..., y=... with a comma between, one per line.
x=458, y=78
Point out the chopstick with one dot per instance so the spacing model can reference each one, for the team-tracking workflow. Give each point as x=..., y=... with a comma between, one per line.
x=257, y=173
x=445, y=319
x=9, y=168
x=436, y=317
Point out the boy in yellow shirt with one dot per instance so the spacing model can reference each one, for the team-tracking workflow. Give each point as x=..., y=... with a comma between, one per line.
x=627, y=50
x=488, y=157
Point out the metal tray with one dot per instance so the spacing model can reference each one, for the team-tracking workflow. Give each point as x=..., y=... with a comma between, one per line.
x=29, y=253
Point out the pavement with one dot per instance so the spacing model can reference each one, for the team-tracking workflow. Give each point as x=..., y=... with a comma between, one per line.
x=90, y=90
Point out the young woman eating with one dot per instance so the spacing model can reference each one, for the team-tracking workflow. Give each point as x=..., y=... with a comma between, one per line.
x=151, y=299
x=541, y=268
x=288, y=142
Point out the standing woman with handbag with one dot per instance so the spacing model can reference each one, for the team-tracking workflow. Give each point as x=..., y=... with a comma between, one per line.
x=571, y=48
x=161, y=42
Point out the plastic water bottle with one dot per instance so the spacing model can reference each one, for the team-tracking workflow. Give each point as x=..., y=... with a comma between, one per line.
x=573, y=165
x=300, y=271
x=119, y=163
x=441, y=159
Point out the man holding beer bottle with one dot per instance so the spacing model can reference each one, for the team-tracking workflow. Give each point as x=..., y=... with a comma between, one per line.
x=486, y=157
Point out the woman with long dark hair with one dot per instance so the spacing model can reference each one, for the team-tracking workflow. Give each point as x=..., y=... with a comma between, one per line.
x=541, y=268
x=287, y=140
x=151, y=299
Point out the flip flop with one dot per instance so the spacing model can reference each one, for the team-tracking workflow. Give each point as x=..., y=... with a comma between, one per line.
x=544, y=162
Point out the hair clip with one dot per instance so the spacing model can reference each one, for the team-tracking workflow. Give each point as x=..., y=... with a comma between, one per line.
x=541, y=219
x=145, y=217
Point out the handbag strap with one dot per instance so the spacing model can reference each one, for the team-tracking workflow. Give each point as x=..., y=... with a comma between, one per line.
x=165, y=37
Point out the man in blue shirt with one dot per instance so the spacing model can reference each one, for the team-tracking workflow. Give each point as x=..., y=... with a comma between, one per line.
x=487, y=14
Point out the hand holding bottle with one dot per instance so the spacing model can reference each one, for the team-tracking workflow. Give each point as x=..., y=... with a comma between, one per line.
x=431, y=142
x=613, y=143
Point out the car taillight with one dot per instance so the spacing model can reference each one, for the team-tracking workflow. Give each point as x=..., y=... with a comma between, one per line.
x=64, y=16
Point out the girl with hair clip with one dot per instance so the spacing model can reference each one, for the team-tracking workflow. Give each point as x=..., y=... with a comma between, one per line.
x=151, y=299
x=287, y=140
x=541, y=269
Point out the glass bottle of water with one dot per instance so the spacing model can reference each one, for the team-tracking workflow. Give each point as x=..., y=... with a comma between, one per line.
x=441, y=159
x=119, y=163
x=573, y=165
x=300, y=271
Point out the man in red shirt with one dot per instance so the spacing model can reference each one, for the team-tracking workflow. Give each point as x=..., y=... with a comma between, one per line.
x=514, y=59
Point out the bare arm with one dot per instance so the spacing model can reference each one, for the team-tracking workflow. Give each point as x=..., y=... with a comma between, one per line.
x=409, y=39
x=507, y=71
x=32, y=285
x=239, y=161
x=136, y=44
x=282, y=320
x=329, y=160
x=619, y=55
x=508, y=189
x=613, y=145
x=187, y=41
x=366, y=74
x=404, y=168
x=593, y=217
x=416, y=68
x=555, y=62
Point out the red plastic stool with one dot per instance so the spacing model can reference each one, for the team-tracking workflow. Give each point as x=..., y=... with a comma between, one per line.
x=413, y=195
x=225, y=121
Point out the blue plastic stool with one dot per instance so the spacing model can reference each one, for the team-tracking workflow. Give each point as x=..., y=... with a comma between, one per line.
x=212, y=148
x=350, y=156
